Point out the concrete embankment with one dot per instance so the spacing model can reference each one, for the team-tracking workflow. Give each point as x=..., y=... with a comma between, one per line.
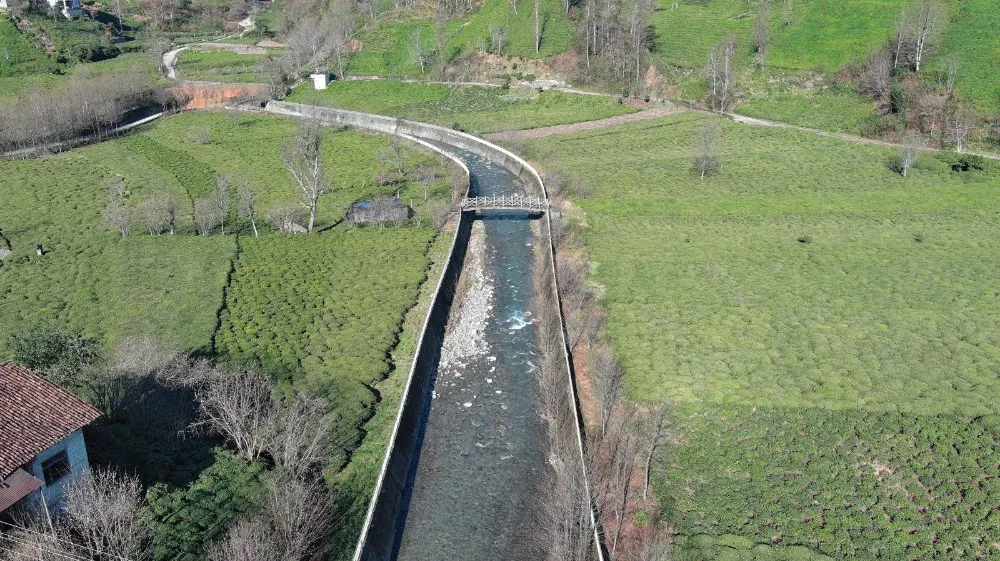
x=382, y=529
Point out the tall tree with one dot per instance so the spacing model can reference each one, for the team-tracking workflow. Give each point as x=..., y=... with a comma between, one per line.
x=246, y=202
x=908, y=152
x=239, y=407
x=706, y=148
x=722, y=75
x=102, y=510
x=222, y=183
x=928, y=27
x=762, y=30
x=302, y=158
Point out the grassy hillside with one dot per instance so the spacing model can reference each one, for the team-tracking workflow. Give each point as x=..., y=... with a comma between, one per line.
x=218, y=66
x=973, y=36
x=475, y=109
x=819, y=325
x=18, y=55
x=386, y=46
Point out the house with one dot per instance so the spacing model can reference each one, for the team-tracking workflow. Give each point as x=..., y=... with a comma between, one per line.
x=41, y=442
x=378, y=211
x=69, y=8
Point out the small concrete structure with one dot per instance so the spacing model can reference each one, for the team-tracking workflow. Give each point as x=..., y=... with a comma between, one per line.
x=320, y=81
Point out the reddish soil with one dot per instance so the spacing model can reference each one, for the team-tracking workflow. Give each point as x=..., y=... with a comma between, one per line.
x=214, y=96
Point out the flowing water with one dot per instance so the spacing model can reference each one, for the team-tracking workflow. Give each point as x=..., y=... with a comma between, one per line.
x=482, y=460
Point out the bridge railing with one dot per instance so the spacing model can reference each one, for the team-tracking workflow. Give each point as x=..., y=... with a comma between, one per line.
x=516, y=201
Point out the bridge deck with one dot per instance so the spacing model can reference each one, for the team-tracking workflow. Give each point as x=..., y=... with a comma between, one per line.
x=506, y=202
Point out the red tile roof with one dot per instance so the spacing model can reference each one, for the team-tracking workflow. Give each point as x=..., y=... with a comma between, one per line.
x=34, y=414
x=18, y=485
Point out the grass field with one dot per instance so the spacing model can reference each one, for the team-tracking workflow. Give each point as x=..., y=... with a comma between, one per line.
x=474, y=109
x=828, y=110
x=973, y=36
x=386, y=46
x=218, y=66
x=823, y=329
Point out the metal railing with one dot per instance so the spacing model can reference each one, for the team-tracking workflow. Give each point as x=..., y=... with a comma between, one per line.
x=506, y=202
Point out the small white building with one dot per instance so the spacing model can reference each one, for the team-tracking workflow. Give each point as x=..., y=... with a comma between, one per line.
x=69, y=8
x=320, y=81
x=3, y=4
x=41, y=441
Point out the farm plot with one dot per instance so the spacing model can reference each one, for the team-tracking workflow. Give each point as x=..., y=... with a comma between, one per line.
x=475, y=109
x=822, y=327
x=219, y=66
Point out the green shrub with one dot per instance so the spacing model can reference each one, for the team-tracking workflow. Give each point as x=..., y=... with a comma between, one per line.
x=186, y=521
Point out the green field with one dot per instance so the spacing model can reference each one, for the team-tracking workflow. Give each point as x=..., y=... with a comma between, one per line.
x=386, y=46
x=218, y=66
x=973, y=36
x=169, y=286
x=474, y=109
x=813, y=318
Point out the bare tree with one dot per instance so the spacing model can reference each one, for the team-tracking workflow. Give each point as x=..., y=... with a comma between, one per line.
x=609, y=383
x=300, y=443
x=876, y=76
x=101, y=508
x=621, y=449
x=927, y=29
x=301, y=515
x=238, y=406
x=250, y=539
x=513, y=6
x=117, y=213
x=303, y=159
x=285, y=218
x=392, y=156
x=908, y=152
x=958, y=125
x=425, y=176
x=419, y=49
x=706, y=148
x=538, y=29
x=155, y=214
x=786, y=12
x=762, y=29
x=721, y=75
x=206, y=216
x=222, y=183
x=952, y=64
x=246, y=203
x=656, y=432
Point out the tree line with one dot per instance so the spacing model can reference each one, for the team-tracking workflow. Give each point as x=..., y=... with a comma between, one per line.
x=81, y=106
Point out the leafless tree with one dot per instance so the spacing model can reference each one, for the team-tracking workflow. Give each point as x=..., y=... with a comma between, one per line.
x=206, y=215
x=952, y=64
x=958, y=125
x=301, y=515
x=238, y=406
x=908, y=153
x=222, y=183
x=246, y=203
x=156, y=213
x=762, y=28
x=425, y=176
x=657, y=430
x=419, y=49
x=300, y=443
x=722, y=76
x=303, y=159
x=392, y=156
x=608, y=371
x=538, y=29
x=338, y=25
x=101, y=508
x=250, y=539
x=306, y=43
x=513, y=6
x=117, y=213
x=786, y=12
x=35, y=539
x=706, y=148
x=876, y=76
x=928, y=27
x=284, y=218
x=620, y=447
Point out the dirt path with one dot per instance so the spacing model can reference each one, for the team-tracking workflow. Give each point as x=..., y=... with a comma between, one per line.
x=527, y=134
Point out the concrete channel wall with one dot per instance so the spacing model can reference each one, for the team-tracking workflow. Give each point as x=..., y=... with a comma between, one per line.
x=379, y=534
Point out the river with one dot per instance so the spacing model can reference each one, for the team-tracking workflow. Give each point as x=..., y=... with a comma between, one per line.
x=482, y=459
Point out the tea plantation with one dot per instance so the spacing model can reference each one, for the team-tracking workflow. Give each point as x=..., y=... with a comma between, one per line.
x=474, y=109
x=824, y=329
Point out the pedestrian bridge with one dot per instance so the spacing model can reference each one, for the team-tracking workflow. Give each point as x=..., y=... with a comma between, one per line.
x=506, y=202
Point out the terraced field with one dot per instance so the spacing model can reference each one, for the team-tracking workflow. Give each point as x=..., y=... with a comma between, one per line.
x=821, y=326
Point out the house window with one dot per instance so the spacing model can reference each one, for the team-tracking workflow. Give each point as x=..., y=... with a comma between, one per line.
x=55, y=468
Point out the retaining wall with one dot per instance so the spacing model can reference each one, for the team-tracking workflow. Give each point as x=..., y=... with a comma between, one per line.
x=379, y=534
